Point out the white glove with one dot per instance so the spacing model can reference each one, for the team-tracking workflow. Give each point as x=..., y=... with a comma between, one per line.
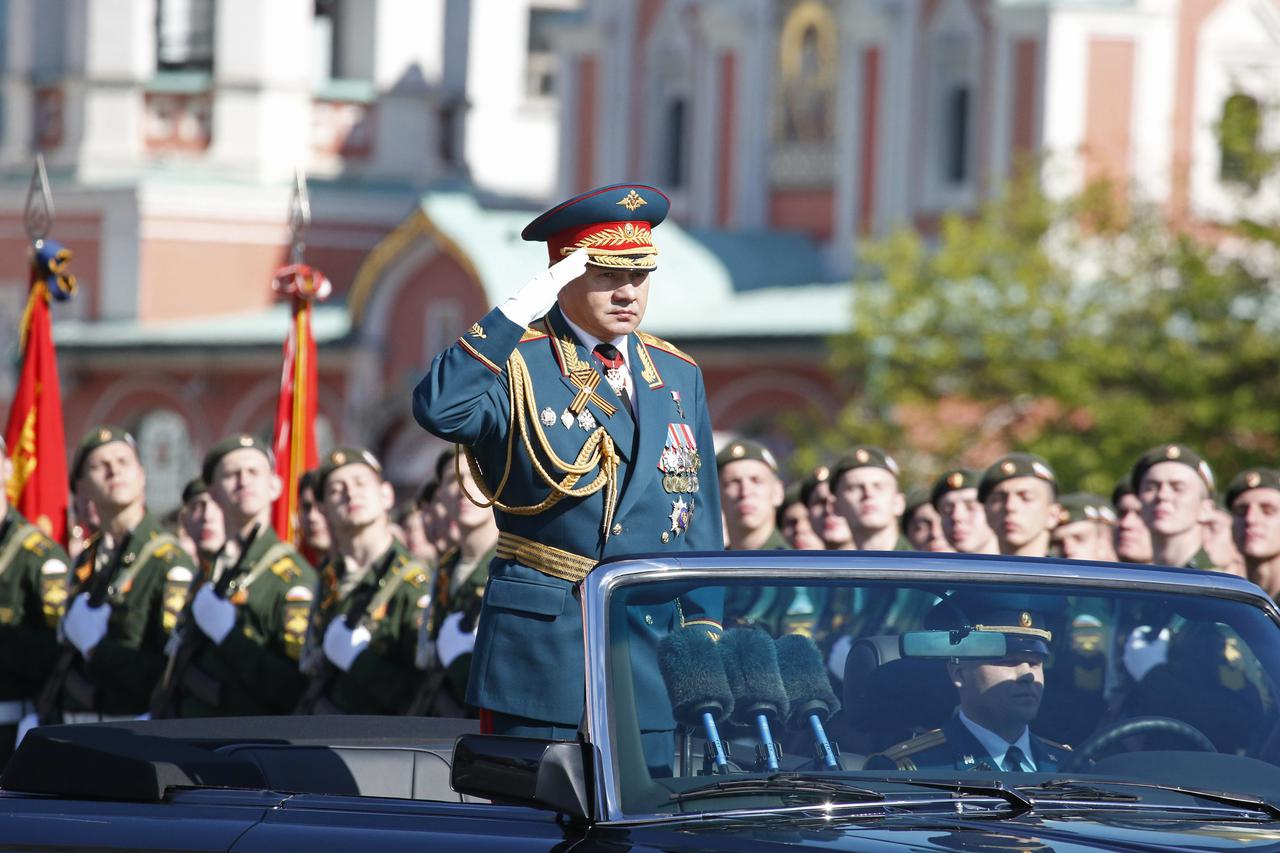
x=342, y=645
x=85, y=626
x=1144, y=650
x=533, y=300
x=214, y=616
x=839, y=654
x=452, y=642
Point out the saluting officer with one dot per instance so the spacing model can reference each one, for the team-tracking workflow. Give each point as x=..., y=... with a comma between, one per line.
x=122, y=641
x=1020, y=493
x=372, y=594
x=590, y=438
x=1253, y=496
x=33, y=591
x=255, y=634
x=964, y=518
x=1176, y=488
x=865, y=486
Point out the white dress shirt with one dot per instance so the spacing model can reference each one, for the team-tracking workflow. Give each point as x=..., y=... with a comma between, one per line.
x=998, y=746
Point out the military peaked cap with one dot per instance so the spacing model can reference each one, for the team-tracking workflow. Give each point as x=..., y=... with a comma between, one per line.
x=614, y=224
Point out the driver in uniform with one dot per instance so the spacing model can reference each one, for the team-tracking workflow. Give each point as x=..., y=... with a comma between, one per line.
x=999, y=698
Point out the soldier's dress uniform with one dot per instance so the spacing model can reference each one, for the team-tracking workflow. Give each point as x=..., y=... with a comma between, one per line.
x=255, y=667
x=953, y=746
x=461, y=598
x=532, y=403
x=382, y=678
x=145, y=599
x=33, y=593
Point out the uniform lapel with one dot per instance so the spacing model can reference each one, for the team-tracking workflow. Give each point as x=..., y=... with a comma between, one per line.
x=619, y=426
x=651, y=420
x=969, y=752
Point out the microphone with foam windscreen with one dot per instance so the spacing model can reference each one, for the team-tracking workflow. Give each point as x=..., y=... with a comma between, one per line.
x=807, y=686
x=696, y=683
x=759, y=697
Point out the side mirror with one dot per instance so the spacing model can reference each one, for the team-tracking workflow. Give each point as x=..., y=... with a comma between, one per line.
x=952, y=644
x=545, y=774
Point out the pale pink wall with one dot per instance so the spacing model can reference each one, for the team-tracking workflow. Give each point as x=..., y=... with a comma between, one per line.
x=1109, y=109
x=186, y=278
x=1191, y=17
x=724, y=164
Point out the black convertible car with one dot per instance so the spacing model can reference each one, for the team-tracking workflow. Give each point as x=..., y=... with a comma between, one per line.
x=851, y=704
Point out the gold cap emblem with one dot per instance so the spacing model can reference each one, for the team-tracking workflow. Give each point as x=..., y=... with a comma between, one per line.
x=822, y=473
x=1008, y=467
x=104, y=435
x=1172, y=452
x=955, y=480
x=1025, y=619
x=738, y=451
x=632, y=200
x=338, y=458
x=1252, y=479
x=861, y=455
x=246, y=441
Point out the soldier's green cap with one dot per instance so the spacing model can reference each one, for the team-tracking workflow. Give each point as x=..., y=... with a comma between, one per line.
x=1085, y=506
x=953, y=481
x=1021, y=617
x=242, y=441
x=1123, y=488
x=820, y=475
x=307, y=482
x=794, y=494
x=195, y=487
x=917, y=497
x=1251, y=478
x=743, y=448
x=99, y=436
x=1014, y=465
x=1172, y=453
x=865, y=456
x=342, y=457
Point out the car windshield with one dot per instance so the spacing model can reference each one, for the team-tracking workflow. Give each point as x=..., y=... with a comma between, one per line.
x=861, y=686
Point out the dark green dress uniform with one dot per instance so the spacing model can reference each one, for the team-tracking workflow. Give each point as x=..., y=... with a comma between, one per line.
x=954, y=747
x=256, y=665
x=464, y=597
x=145, y=598
x=34, y=572
x=505, y=391
x=383, y=678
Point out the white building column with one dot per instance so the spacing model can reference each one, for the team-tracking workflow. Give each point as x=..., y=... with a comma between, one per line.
x=119, y=59
x=19, y=106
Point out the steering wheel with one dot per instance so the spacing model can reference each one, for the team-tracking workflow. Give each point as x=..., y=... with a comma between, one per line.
x=1100, y=742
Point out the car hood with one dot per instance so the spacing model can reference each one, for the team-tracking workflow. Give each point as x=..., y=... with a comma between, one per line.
x=1026, y=834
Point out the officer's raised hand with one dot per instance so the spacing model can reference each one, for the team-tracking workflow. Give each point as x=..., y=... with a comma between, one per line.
x=84, y=626
x=214, y=615
x=539, y=294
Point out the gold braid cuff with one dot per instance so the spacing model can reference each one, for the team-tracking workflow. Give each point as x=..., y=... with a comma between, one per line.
x=565, y=565
x=597, y=455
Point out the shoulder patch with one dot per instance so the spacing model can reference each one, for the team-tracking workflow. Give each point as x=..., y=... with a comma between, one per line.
x=36, y=543
x=299, y=593
x=666, y=346
x=53, y=567
x=179, y=574
x=919, y=743
x=532, y=335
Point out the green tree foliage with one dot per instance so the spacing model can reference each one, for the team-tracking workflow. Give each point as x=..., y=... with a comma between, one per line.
x=1082, y=331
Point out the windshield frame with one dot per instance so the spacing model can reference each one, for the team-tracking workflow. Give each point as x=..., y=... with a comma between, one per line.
x=949, y=569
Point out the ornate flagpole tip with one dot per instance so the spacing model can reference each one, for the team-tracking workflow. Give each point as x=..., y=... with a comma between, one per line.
x=299, y=217
x=38, y=213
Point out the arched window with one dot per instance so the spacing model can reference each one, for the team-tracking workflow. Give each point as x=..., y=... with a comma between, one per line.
x=164, y=445
x=1238, y=133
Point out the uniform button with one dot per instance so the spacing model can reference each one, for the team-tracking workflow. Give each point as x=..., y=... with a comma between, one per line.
x=648, y=619
x=666, y=537
x=617, y=530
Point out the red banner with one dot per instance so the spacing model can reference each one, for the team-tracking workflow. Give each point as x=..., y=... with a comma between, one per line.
x=34, y=435
x=294, y=438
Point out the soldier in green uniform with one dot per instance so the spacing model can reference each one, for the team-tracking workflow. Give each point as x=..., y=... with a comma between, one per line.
x=201, y=520
x=1253, y=496
x=1083, y=531
x=313, y=528
x=792, y=521
x=1020, y=493
x=1132, y=538
x=249, y=663
x=449, y=633
x=964, y=519
x=121, y=642
x=750, y=491
x=1175, y=486
x=825, y=520
x=33, y=589
x=865, y=486
x=364, y=627
x=922, y=525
